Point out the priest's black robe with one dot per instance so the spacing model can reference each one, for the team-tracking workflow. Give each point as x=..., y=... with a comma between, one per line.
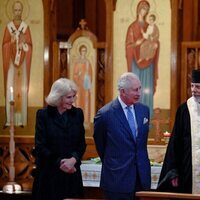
x=178, y=158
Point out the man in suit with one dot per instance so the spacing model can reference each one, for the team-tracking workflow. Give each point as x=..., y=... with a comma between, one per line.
x=121, y=144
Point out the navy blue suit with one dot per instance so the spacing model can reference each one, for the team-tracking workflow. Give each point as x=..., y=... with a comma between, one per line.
x=122, y=157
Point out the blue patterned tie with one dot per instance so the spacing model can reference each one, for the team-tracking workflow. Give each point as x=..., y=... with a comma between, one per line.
x=131, y=121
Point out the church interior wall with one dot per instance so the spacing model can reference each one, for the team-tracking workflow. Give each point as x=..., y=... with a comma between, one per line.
x=173, y=32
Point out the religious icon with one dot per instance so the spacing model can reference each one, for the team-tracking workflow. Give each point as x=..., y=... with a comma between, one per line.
x=142, y=50
x=82, y=71
x=17, y=54
x=82, y=75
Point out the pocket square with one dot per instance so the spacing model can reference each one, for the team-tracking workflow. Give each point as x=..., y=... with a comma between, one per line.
x=145, y=120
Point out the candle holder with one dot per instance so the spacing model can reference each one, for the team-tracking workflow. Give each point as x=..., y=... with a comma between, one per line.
x=11, y=186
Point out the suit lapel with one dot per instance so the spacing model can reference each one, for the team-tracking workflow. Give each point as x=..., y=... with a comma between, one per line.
x=138, y=115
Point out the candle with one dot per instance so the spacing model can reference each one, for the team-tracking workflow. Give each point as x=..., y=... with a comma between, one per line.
x=11, y=94
x=166, y=134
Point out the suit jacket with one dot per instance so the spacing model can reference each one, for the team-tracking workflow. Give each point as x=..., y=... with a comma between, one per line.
x=57, y=137
x=120, y=154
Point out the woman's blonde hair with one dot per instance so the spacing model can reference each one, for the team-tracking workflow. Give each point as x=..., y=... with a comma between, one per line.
x=60, y=87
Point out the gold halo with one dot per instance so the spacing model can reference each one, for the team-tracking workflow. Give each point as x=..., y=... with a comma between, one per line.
x=80, y=43
x=134, y=3
x=154, y=13
x=26, y=9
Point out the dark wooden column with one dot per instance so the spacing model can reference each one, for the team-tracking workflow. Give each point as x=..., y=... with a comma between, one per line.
x=47, y=46
x=175, y=59
x=109, y=51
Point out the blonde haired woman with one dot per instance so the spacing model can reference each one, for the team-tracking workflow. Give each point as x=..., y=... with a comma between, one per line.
x=59, y=144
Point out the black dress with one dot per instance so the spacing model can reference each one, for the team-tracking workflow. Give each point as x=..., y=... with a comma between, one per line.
x=57, y=137
x=178, y=158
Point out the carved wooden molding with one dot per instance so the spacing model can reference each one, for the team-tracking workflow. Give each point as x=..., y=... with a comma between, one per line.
x=190, y=59
x=83, y=30
x=24, y=161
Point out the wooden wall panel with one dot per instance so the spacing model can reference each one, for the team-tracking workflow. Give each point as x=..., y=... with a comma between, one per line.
x=175, y=60
x=190, y=20
x=185, y=26
x=64, y=19
x=25, y=159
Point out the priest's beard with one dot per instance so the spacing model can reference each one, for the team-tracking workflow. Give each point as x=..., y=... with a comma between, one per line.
x=197, y=98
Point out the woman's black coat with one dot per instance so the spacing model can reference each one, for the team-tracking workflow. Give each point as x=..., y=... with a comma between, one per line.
x=57, y=137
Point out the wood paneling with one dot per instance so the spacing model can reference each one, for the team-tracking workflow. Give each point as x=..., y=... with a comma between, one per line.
x=25, y=159
x=185, y=26
x=47, y=48
x=175, y=60
x=165, y=196
x=190, y=19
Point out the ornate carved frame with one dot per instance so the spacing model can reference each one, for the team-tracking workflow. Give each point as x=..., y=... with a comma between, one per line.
x=190, y=54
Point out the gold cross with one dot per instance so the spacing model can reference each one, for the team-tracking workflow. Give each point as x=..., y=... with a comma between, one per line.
x=82, y=24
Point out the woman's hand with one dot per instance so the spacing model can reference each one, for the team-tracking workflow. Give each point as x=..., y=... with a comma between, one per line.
x=67, y=165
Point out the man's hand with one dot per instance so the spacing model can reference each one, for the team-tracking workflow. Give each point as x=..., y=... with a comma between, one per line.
x=174, y=182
